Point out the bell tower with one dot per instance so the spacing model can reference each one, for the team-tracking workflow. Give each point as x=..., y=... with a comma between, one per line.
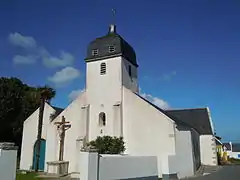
x=110, y=65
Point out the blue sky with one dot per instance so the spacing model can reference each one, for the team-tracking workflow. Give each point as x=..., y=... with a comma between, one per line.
x=188, y=51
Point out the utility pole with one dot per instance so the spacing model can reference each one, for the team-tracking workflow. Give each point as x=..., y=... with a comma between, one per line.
x=62, y=126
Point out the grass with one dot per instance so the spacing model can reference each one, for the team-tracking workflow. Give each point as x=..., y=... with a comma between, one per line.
x=234, y=161
x=28, y=176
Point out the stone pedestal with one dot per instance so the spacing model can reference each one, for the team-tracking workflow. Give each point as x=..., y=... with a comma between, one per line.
x=58, y=167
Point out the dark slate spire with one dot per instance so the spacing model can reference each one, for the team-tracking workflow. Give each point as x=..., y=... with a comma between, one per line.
x=110, y=45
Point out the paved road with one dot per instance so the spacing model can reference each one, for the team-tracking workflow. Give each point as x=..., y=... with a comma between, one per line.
x=225, y=173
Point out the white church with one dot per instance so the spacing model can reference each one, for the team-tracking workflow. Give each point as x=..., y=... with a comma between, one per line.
x=111, y=105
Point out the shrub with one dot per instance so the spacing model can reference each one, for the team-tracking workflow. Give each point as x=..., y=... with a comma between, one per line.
x=107, y=145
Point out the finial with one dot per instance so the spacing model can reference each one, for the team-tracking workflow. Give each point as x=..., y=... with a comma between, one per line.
x=112, y=28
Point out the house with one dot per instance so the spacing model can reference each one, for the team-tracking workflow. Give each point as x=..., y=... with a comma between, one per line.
x=235, y=151
x=111, y=105
x=232, y=149
x=200, y=120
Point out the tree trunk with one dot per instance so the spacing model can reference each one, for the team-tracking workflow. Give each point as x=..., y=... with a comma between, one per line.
x=39, y=135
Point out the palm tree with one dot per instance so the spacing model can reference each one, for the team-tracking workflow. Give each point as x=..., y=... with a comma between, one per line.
x=46, y=94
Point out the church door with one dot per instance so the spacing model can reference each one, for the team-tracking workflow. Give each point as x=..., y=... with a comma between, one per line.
x=42, y=155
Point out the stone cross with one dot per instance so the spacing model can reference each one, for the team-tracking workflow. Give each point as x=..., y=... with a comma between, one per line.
x=62, y=126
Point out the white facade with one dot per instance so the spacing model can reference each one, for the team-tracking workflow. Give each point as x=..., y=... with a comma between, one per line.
x=29, y=138
x=208, y=150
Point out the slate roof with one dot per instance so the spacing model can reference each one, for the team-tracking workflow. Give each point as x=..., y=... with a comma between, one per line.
x=235, y=147
x=228, y=146
x=181, y=124
x=102, y=44
x=197, y=118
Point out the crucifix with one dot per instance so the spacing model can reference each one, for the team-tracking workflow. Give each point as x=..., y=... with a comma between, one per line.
x=62, y=126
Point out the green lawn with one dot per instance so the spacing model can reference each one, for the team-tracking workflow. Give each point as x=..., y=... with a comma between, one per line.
x=234, y=161
x=28, y=176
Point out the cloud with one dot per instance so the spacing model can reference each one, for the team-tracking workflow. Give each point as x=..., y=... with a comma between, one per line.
x=30, y=59
x=22, y=41
x=64, y=76
x=29, y=44
x=74, y=94
x=168, y=76
x=65, y=59
x=155, y=100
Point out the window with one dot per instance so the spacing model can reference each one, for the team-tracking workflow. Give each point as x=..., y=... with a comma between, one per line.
x=103, y=68
x=111, y=49
x=95, y=52
x=102, y=119
x=130, y=71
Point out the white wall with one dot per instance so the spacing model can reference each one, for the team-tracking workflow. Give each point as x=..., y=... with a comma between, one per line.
x=30, y=129
x=103, y=92
x=116, y=167
x=147, y=131
x=208, y=150
x=8, y=164
x=74, y=114
x=184, y=154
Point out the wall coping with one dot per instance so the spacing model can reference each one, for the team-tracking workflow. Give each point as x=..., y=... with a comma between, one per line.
x=8, y=146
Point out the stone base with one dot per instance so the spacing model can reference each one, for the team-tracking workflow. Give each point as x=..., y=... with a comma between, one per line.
x=58, y=167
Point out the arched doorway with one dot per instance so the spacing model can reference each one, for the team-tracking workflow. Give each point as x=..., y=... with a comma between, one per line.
x=42, y=155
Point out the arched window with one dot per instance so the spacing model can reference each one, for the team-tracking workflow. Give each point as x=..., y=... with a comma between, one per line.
x=102, y=119
x=103, y=68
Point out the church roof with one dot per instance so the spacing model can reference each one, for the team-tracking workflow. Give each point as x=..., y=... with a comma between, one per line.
x=57, y=111
x=181, y=124
x=110, y=45
x=197, y=118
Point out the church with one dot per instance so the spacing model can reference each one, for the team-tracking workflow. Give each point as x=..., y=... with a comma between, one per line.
x=111, y=105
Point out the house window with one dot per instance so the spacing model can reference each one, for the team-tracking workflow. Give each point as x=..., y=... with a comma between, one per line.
x=130, y=71
x=95, y=52
x=103, y=68
x=111, y=49
x=102, y=119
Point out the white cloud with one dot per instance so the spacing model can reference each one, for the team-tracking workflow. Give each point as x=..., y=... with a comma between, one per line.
x=168, y=76
x=74, y=94
x=155, y=100
x=64, y=76
x=65, y=59
x=30, y=45
x=30, y=59
x=22, y=41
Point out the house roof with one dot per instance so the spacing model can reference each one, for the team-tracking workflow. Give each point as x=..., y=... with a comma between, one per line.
x=197, y=118
x=178, y=121
x=228, y=146
x=235, y=147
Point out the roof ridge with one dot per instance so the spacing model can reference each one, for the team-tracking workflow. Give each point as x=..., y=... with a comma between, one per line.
x=179, y=109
